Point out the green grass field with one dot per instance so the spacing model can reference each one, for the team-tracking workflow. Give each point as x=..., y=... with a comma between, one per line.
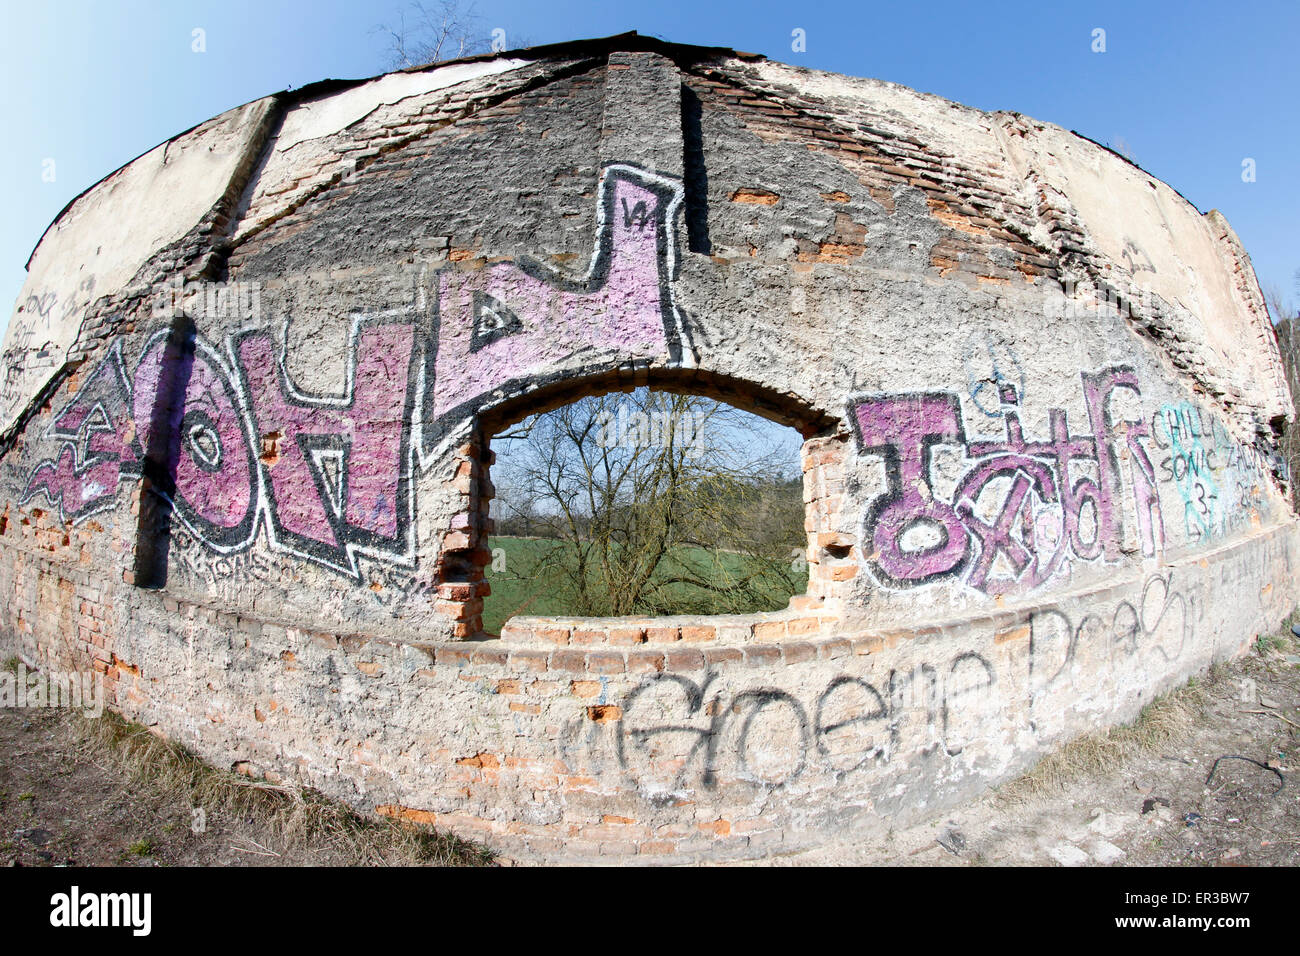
x=520, y=586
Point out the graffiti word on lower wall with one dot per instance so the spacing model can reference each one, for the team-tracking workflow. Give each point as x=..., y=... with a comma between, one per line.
x=675, y=732
x=672, y=733
x=224, y=433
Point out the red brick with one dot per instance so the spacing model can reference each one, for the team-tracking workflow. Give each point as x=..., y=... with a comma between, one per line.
x=644, y=662
x=626, y=636
x=491, y=656
x=683, y=660
x=796, y=652
x=663, y=635
x=606, y=662
x=569, y=661
x=800, y=626
x=453, y=657
x=604, y=713
x=535, y=661
x=551, y=635
x=834, y=648
x=657, y=847
x=722, y=655
x=516, y=633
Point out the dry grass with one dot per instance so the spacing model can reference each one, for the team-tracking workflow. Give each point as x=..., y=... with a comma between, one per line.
x=1161, y=722
x=1284, y=641
x=296, y=821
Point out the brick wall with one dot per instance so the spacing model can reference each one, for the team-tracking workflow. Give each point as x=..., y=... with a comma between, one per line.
x=1025, y=515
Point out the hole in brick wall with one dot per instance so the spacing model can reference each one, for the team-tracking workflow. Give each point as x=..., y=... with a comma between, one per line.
x=612, y=498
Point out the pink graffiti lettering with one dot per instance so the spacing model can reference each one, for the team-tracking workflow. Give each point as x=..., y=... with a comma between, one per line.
x=95, y=446
x=903, y=429
x=510, y=320
x=340, y=474
x=215, y=481
x=1021, y=508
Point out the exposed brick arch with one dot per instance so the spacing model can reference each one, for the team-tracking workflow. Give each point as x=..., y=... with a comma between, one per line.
x=749, y=396
x=462, y=583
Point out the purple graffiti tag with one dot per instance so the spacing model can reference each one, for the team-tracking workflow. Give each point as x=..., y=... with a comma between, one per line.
x=338, y=466
x=903, y=429
x=74, y=490
x=1097, y=389
x=215, y=477
x=1021, y=507
x=511, y=320
x=1019, y=544
x=1029, y=466
x=96, y=446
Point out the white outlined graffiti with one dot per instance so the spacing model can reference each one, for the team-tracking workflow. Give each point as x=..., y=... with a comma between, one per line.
x=330, y=477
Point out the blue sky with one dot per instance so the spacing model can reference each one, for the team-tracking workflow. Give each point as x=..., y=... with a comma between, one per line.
x=1189, y=89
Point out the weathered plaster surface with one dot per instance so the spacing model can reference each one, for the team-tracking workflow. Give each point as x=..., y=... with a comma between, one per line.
x=1039, y=392
x=98, y=244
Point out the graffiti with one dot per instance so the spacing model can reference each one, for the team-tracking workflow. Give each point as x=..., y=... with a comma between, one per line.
x=96, y=445
x=498, y=327
x=686, y=733
x=339, y=483
x=1162, y=622
x=33, y=351
x=1022, y=510
x=1136, y=259
x=1219, y=481
x=674, y=732
x=239, y=446
x=1086, y=660
x=1188, y=466
x=988, y=373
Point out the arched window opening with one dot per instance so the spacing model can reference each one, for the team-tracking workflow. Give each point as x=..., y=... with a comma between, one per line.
x=645, y=502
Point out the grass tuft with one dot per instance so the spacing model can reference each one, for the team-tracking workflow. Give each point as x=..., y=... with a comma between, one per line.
x=1160, y=722
x=293, y=817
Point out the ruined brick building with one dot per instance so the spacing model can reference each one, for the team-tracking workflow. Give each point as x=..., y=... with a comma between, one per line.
x=249, y=385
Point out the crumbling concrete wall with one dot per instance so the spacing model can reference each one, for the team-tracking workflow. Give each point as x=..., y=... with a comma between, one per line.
x=1039, y=393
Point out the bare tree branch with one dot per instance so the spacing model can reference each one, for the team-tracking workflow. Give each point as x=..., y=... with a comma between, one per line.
x=656, y=503
x=433, y=32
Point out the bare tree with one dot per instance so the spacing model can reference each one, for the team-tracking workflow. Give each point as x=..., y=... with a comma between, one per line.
x=655, y=503
x=1286, y=318
x=431, y=33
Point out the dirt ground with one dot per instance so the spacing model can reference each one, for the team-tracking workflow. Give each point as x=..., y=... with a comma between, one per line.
x=82, y=792
x=1136, y=796
x=1143, y=795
